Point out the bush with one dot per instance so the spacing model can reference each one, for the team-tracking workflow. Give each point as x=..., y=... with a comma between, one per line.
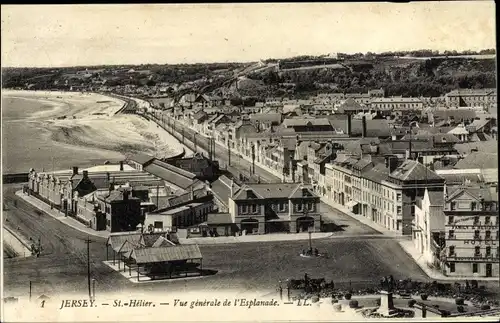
x=315, y=299
x=424, y=297
x=347, y=296
x=459, y=301
x=460, y=309
x=337, y=307
x=334, y=301
x=353, y=303
x=485, y=307
x=411, y=302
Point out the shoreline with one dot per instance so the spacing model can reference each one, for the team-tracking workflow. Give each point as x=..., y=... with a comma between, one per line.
x=85, y=125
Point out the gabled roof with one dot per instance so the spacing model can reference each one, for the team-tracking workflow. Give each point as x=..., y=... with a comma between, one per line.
x=166, y=254
x=171, y=174
x=162, y=242
x=349, y=105
x=478, y=159
x=117, y=239
x=294, y=122
x=412, y=170
x=274, y=190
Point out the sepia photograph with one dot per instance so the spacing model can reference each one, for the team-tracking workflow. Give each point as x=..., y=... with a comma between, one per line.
x=248, y=162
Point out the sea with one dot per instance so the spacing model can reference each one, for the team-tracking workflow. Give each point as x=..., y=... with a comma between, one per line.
x=27, y=143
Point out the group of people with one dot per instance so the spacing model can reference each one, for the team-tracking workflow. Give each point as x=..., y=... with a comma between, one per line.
x=310, y=252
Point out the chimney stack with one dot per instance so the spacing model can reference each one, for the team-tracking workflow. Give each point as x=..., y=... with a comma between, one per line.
x=393, y=163
x=121, y=165
x=349, y=126
x=191, y=194
x=363, y=133
x=75, y=170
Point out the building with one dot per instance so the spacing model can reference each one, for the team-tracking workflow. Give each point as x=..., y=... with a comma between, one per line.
x=383, y=189
x=471, y=231
x=266, y=208
x=471, y=97
x=397, y=104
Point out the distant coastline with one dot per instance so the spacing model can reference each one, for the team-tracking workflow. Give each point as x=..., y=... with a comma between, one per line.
x=73, y=128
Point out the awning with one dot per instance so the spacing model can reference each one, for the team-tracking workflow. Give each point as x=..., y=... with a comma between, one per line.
x=351, y=204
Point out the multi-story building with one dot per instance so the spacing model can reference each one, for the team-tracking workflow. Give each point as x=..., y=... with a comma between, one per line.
x=471, y=231
x=397, y=104
x=282, y=207
x=471, y=97
x=384, y=192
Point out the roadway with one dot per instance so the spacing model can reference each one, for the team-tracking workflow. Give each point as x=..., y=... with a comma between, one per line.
x=240, y=165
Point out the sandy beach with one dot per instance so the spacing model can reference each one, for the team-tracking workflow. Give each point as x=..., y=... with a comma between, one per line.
x=52, y=129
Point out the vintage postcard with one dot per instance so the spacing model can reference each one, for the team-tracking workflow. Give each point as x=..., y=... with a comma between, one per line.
x=249, y=162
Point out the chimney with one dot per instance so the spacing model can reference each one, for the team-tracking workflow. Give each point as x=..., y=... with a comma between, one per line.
x=108, y=176
x=85, y=174
x=191, y=194
x=121, y=165
x=349, y=126
x=393, y=163
x=75, y=170
x=231, y=188
x=363, y=133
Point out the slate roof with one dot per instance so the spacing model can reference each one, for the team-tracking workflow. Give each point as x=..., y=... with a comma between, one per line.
x=267, y=117
x=221, y=188
x=376, y=173
x=436, y=198
x=489, y=146
x=219, y=218
x=374, y=127
x=349, y=105
x=162, y=242
x=478, y=159
x=455, y=114
x=294, y=122
x=166, y=254
x=171, y=174
x=273, y=190
x=116, y=240
x=412, y=170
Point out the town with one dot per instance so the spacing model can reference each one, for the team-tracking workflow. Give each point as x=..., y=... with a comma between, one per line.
x=365, y=182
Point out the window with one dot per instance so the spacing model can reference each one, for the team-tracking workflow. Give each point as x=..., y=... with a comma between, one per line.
x=450, y=219
x=487, y=220
x=452, y=267
x=453, y=206
x=282, y=207
x=400, y=210
x=399, y=197
x=254, y=208
x=451, y=234
x=474, y=268
x=477, y=251
x=473, y=206
x=158, y=225
x=487, y=235
x=476, y=234
x=488, y=251
x=476, y=220
x=451, y=251
x=310, y=206
x=244, y=209
x=299, y=207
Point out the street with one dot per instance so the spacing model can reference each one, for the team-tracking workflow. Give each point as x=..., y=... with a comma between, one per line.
x=240, y=165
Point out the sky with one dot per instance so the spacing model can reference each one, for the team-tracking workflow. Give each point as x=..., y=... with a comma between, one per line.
x=69, y=35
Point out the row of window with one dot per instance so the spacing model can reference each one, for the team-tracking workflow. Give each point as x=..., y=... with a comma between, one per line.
x=474, y=206
x=475, y=267
x=477, y=251
x=476, y=220
x=281, y=207
x=477, y=235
